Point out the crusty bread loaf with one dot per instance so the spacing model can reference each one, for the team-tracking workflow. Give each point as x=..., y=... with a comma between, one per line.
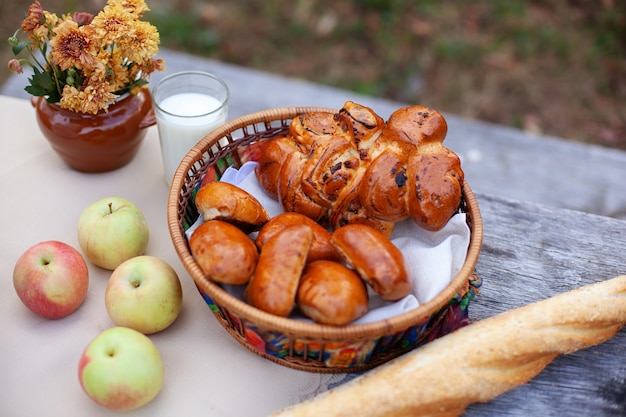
x=480, y=361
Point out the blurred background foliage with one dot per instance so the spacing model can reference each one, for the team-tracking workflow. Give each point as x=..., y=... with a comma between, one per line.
x=555, y=68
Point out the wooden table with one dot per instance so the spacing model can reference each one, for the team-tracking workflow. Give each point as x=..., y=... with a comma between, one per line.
x=530, y=252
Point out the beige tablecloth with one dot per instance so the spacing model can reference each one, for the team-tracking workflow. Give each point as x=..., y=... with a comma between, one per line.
x=207, y=372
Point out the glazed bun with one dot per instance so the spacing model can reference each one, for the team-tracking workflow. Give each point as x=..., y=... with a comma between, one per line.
x=375, y=258
x=223, y=201
x=330, y=293
x=320, y=247
x=275, y=281
x=215, y=244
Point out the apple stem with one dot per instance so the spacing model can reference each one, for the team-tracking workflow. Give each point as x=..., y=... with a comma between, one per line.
x=110, y=208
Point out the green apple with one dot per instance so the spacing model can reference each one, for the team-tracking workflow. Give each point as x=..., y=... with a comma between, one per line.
x=121, y=369
x=51, y=278
x=112, y=230
x=144, y=293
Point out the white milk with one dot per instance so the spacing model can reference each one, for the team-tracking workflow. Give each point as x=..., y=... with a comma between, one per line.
x=186, y=123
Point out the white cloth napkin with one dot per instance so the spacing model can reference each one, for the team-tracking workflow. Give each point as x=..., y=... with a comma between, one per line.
x=432, y=259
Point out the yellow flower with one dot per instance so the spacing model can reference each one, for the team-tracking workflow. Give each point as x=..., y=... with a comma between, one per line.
x=136, y=7
x=141, y=42
x=73, y=46
x=111, y=24
x=91, y=60
x=90, y=100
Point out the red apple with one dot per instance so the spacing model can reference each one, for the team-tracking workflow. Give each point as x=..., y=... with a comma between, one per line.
x=51, y=278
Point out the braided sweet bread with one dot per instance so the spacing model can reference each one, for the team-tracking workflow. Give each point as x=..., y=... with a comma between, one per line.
x=353, y=167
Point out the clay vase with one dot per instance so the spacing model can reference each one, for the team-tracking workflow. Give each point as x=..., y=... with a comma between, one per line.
x=97, y=142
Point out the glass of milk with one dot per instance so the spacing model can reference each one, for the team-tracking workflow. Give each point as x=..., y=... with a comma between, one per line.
x=188, y=105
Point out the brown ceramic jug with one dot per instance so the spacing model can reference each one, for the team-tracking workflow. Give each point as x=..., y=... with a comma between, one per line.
x=97, y=142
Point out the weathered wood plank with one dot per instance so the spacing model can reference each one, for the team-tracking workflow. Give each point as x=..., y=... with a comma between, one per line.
x=532, y=252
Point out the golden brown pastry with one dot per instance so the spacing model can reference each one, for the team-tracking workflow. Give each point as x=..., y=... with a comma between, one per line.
x=506, y=351
x=329, y=169
x=349, y=209
x=366, y=125
x=375, y=258
x=275, y=281
x=384, y=187
x=330, y=293
x=290, y=193
x=352, y=167
x=434, y=172
x=415, y=125
x=435, y=188
x=223, y=201
x=313, y=129
x=270, y=160
x=215, y=244
x=320, y=247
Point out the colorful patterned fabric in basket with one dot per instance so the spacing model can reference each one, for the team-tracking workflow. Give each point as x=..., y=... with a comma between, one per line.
x=351, y=354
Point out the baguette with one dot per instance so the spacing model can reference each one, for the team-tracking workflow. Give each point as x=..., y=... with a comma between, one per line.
x=480, y=361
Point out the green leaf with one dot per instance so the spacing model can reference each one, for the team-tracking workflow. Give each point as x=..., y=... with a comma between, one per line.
x=20, y=47
x=42, y=84
x=43, y=79
x=54, y=97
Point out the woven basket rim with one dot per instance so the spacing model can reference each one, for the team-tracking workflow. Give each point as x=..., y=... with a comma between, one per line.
x=288, y=325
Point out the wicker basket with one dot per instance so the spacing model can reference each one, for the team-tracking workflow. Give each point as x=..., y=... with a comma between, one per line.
x=295, y=344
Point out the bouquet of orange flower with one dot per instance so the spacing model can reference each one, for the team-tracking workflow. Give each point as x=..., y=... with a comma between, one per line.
x=84, y=62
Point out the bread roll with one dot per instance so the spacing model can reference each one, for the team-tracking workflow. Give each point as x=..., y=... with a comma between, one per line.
x=320, y=247
x=375, y=259
x=277, y=275
x=223, y=201
x=223, y=252
x=441, y=378
x=330, y=293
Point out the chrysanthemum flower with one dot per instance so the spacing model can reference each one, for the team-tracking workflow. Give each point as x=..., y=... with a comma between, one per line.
x=73, y=46
x=33, y=17
x=91, y=60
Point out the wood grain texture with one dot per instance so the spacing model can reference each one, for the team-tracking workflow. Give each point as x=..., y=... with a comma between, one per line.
x=532, y=252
